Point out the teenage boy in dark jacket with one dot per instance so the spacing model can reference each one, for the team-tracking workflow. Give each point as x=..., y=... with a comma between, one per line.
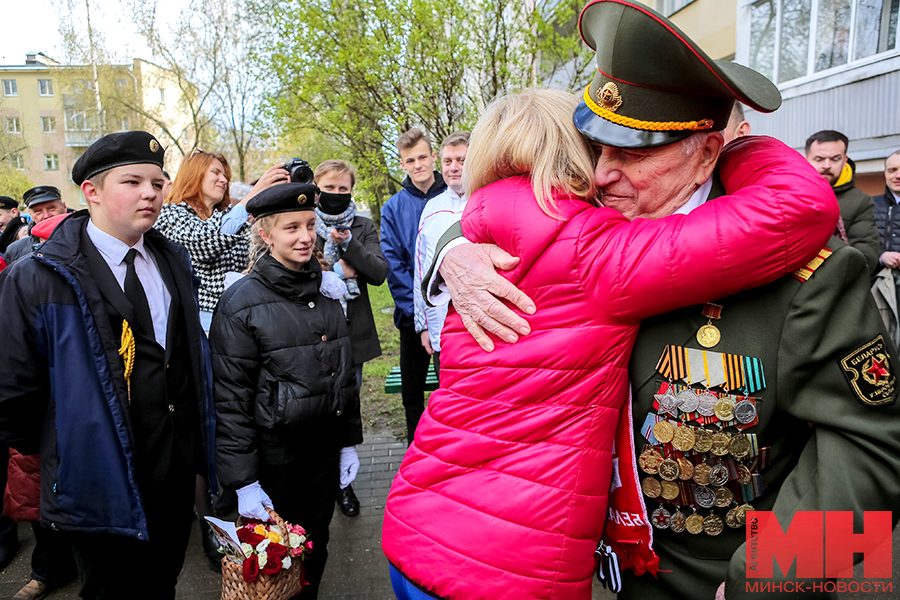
x=399, y=228
x=121, y=443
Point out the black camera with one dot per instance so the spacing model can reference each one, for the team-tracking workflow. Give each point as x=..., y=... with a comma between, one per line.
x=299, y=170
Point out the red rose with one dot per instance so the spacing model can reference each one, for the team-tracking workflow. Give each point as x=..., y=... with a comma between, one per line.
x=249, y=537
x=273, y=565
x=277, y=551
x=251, y=569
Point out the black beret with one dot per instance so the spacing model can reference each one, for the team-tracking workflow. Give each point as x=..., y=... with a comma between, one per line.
x=41, y=193
x=284, y=197
x=653, y=85
x=117, y=150
x=8, y=203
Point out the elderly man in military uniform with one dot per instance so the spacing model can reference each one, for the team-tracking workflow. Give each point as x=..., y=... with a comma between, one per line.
x=799, y=414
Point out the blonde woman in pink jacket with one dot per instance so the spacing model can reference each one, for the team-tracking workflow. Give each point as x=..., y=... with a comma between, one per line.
x=504, y=490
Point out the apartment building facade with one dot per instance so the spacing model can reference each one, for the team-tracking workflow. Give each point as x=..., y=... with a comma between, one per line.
x=50, y=113
x=836, y=63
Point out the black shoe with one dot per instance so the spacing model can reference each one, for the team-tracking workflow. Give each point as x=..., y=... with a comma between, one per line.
x=8, y=554
x=348, y=501
x=210, y=546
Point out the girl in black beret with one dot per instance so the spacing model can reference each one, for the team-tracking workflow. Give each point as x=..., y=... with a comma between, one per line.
x=287, y=404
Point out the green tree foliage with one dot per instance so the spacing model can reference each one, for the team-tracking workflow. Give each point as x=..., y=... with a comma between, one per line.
x=361, y=72
x=13, y=183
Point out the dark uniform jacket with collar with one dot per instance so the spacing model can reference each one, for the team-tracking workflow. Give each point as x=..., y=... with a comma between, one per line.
x=859, y=219
x=363, y=253
x=65, y=394
x=831, y=447
x=887, y=217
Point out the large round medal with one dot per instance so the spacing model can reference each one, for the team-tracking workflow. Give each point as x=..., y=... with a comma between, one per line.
x=718, y=475
x=713, y=525
x=744, y=412
x=701, y=474
x=670, y=490
x=724, y=497
x=703, y=440
x=678, y=522
x=663, y=431
x=707, y=404
x=719, y=445
x=651, y=487
x=669, y=469
x=704, y=496
x=649, y=460
x=739, y=446
x=689, y=400
x=694, y=524
x=683, y=439
x=661, y=518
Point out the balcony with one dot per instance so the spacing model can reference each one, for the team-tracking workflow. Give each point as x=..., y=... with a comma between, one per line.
x=81, y=139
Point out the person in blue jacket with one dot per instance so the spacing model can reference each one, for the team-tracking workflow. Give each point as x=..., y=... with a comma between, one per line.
x=399, y=227
x=107, y=376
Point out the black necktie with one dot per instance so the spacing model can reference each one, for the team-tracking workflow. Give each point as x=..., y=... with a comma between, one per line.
x=134, y=291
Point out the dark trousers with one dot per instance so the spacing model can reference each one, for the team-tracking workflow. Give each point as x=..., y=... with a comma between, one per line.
x=9, y=535
x=52, y=561
x=303, y=486
x=413, y=372
x=114, y=566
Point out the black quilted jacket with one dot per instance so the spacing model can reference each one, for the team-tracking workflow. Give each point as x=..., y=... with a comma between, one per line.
x=281, y=362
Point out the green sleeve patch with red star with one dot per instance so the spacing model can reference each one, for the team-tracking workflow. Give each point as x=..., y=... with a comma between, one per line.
x=870, y=374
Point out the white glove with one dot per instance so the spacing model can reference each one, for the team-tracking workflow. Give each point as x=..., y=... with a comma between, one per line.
x=349, y=465
x=252, y=502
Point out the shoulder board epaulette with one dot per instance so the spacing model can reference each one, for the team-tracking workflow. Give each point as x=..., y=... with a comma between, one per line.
x=805, y=272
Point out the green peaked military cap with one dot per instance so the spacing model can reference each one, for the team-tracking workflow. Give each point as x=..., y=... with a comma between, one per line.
x=654, y=85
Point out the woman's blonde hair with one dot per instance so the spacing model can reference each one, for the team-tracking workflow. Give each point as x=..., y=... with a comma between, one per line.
x=532, y=133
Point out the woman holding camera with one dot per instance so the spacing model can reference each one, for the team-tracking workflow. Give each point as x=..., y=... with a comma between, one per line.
x=198, y=215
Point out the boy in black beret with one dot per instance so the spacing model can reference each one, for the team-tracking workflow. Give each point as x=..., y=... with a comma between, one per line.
x=109, y=299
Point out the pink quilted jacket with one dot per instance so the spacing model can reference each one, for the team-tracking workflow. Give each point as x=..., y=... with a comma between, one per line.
x=504, y=491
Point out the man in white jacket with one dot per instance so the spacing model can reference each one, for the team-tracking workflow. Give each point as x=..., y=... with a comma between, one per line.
x=440, y=212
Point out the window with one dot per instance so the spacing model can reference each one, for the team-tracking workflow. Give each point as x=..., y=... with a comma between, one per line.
x=81, y=120
x=17, y=162
x=51, y=162
x=13, y=125
x=10, y=88
x=45, y=87
x=790, y=39
x=48, y=124
x=670, y=7
x=124, y=124
x=162, y=95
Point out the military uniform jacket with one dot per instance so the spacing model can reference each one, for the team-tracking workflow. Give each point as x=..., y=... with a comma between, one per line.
x=831, y=447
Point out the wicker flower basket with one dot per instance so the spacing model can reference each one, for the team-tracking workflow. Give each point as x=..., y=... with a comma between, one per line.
x=280, y=586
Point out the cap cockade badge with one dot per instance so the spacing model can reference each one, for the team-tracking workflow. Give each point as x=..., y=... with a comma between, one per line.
x=609, y=97
x=154, y=146
x=301, y=199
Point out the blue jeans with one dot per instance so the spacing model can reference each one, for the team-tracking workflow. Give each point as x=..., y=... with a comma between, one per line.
x=404, y=589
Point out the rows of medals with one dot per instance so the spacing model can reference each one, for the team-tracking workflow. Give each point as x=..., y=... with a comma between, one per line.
x=700, y=457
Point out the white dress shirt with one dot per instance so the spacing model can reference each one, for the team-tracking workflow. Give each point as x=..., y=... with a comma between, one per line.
x=113, y=251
